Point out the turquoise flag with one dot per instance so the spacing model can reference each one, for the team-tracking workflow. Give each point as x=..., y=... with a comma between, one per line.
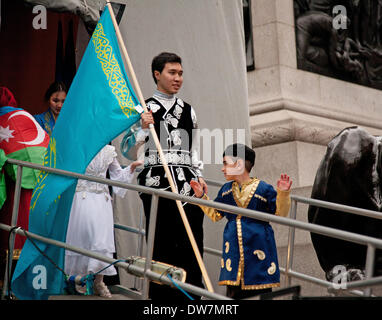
x=99, y=106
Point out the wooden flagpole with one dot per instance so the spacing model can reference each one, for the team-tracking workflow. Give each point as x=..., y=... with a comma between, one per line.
x=162, y=157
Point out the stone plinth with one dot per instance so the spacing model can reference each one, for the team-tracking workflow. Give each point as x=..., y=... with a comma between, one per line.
x=295, y=113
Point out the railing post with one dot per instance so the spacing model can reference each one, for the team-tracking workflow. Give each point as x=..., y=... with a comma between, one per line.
x=150, y=243
x=292, y=231
x=15, y=212
x=141, y=235
x=369, y=266
x=140, y=246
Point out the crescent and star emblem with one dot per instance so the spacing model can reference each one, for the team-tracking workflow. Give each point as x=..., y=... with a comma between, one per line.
x=40, y=132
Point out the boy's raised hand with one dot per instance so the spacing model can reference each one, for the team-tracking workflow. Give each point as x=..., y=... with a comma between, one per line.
x=284, y=183
x=197, y=187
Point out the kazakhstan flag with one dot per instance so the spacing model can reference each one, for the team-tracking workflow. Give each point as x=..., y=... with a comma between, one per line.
x=99, y=106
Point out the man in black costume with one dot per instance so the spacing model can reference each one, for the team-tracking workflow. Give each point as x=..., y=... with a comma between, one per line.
x=175, y=122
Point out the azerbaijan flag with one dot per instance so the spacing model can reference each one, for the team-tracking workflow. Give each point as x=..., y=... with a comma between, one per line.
x=21, y=138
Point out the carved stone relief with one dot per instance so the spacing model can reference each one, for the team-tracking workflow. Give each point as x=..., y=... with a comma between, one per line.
x=340, y=39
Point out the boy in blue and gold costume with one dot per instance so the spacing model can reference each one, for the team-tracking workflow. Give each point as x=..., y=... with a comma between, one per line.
x=249, y=265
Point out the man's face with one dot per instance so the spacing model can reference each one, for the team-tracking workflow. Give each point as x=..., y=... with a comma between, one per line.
x=170, y=80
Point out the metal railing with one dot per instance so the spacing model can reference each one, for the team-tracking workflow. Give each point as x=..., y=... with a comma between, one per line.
x=146, y=273
x=292, y=223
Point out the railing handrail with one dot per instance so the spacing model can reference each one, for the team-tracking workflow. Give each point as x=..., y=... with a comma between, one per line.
x=371, y=242
x=323, y=230
x=125, y=265
x=324, y=204
x=310, y=201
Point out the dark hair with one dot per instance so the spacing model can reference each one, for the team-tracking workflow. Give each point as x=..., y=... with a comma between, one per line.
x=55, y=87
x=241, y=151
x=160, y=61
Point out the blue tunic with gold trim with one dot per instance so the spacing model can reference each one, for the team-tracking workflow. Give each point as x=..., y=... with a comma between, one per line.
x=249, y=248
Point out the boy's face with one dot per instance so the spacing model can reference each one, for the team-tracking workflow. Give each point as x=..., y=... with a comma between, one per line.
x=170, y=80
x=232, y=167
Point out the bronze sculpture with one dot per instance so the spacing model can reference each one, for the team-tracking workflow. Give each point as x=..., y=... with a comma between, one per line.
x=351, y=174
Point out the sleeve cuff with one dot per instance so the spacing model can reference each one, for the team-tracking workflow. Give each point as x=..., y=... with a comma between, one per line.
x=283, y=193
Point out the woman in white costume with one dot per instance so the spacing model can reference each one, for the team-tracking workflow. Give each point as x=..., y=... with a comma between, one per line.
x=91, y=224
